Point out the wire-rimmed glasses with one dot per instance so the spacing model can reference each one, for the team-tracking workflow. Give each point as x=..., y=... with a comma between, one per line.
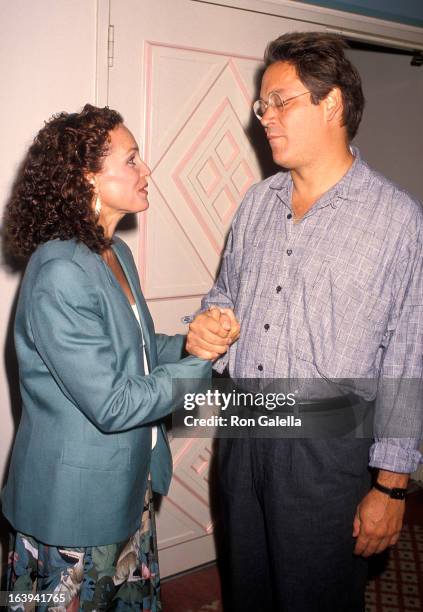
x=260, y=106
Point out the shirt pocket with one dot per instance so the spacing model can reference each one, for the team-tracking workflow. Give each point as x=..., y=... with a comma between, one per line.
x=260, y=270
x=343, y=326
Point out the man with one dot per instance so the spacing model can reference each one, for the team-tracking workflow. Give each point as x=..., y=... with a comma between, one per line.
x=323, y=270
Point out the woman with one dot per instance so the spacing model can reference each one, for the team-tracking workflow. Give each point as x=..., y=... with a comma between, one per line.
x=95, y=378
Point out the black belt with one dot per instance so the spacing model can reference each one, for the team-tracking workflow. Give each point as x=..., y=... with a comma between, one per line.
x=331, y=403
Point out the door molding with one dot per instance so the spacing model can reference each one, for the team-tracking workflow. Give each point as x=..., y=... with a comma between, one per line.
x=359, y=27
x=102, y=45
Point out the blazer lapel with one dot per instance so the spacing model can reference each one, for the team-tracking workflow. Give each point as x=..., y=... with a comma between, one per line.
x=132, y=277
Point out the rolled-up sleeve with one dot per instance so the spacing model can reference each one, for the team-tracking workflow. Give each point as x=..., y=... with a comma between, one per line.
x=399, y=401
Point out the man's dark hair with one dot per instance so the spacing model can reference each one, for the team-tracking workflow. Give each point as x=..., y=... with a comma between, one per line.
x=53, y=196
x=321, y=65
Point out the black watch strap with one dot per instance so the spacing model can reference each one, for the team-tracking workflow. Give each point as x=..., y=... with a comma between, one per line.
x=394, y=493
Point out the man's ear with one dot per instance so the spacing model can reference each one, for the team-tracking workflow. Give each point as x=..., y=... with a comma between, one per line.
x=333, y=104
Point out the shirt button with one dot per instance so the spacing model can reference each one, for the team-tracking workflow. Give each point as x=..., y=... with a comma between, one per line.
x=289, y=216
x=267, y=326
x=278, y=289
x=260, y=367
x=289, y=252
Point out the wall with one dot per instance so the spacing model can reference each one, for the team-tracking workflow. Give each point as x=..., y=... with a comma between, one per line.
x=47, y=64
x=391, y=133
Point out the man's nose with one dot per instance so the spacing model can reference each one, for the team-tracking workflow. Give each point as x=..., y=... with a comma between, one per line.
x=268, y=116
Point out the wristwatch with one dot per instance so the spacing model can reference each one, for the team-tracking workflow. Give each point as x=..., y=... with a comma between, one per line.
x=394, y=493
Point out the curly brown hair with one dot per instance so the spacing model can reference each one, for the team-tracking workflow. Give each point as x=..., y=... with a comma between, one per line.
x=321, y=64
x=53, y=197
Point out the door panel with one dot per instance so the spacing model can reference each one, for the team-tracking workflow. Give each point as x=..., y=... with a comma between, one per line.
x=201, y=173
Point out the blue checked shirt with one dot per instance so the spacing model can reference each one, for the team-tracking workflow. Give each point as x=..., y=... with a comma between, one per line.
x=338, y=295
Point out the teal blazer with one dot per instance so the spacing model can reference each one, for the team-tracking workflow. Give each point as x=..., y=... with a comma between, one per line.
x=82, y=452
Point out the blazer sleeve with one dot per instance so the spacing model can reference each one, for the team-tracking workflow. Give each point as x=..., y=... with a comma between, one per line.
x=71, y=337
x=170, y=348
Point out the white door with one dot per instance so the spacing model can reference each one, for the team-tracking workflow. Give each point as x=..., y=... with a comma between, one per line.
x=183, y=76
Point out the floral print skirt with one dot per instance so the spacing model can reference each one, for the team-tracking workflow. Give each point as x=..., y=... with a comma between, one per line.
x=123, y=576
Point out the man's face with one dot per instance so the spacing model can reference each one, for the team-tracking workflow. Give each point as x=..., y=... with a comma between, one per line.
x=295, y=132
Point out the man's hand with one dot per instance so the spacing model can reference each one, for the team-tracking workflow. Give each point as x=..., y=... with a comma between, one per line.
x=212, y=332
x=378, y=519
x=227, y=314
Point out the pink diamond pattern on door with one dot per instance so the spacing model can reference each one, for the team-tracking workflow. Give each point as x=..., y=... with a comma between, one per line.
x=209, y=177
x=225, y=205
x=201, y=464
x=204, y=170
x=190, y=481
x=227, y=150
x=242, y=178
x=219, y=141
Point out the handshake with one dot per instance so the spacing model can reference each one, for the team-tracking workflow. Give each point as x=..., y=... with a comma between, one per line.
x=212, y=332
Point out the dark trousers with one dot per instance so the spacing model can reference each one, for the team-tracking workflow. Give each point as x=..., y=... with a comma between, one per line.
x=286, y=518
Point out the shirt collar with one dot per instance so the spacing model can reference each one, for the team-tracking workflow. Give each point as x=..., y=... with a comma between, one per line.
x=352, y=186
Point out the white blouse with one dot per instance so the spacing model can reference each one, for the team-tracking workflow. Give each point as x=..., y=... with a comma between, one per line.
x=146, y=370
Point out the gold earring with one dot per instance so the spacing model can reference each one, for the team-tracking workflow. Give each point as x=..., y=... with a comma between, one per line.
x=97, y=208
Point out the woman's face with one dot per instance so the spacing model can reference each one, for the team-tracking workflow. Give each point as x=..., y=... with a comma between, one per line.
x=122, y=182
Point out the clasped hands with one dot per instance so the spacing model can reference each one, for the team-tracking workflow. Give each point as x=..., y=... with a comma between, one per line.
x=212, y=332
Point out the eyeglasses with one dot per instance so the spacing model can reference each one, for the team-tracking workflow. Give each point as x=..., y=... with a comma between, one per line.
x=260, y=106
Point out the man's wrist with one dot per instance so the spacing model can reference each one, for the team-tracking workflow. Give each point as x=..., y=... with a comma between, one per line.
x=391, y=484
x=391, y=479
